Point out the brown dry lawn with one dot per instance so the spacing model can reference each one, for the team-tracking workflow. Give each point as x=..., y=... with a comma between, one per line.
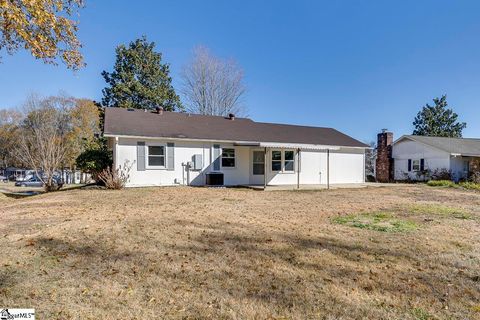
x=410, y=252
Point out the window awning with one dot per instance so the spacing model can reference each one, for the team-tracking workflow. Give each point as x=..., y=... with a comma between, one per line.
x=297, y=146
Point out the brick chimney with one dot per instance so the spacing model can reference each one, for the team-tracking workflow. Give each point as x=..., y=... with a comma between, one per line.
x=384, y=162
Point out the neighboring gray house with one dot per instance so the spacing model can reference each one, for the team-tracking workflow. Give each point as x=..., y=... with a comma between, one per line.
x=413, y=155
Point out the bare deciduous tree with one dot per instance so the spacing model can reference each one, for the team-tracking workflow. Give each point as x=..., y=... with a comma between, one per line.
x=43, y=143
x=213, y=86
x=370, y=158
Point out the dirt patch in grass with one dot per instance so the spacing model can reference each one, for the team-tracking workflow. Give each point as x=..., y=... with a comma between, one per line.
x=198, y=253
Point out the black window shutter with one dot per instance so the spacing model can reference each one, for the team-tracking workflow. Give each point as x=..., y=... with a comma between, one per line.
x=409, y=165
x=422, y=164
x=170, y=156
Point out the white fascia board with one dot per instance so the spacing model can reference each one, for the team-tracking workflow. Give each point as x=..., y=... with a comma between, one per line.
x=403, y=138
x=258, y=143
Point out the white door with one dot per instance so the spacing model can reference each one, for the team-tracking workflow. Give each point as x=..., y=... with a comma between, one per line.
x=257, y=167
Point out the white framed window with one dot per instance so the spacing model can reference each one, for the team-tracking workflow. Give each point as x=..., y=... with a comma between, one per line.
x=155, y=156
x=416, y=165
x=276, y=160
x=228, y=157
x=289, y=161
x=283, y=161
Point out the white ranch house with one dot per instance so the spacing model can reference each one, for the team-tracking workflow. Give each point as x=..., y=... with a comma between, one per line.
x=413, y=155
x=170, y=148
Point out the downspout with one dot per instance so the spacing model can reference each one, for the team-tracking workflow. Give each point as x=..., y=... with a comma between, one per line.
x=364, y=168
x=298, y=168
x=265, y=169
x=115, y=153
x=328, y=168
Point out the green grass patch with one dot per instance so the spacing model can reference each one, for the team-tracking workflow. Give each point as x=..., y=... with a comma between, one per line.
x=442, y=183
x=377, y=221
x=450, y=184
x=470, y=185
x=441, y=210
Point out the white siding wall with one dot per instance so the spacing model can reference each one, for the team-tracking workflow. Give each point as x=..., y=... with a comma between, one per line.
x=407, y=149
x=346, y=165
x=457, y=167
x=313, y=167
x=127, y=151
x=240, y=174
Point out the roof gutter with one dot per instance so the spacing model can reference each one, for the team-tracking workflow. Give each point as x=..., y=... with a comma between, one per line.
x=465, y=155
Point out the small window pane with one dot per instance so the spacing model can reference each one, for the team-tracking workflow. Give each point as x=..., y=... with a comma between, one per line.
x=276, y=155
x=228, y=162
x=416, y=165
x=289, y=165
x=289, y=155
x=228, y=157
x=228, y=153
x=156, y=150
x=258, y=156
x=258, y=169
x=156, y=161
x=276, y=166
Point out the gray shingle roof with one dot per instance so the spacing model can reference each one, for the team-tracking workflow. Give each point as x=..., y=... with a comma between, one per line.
x=462, y=146
x=120, y=121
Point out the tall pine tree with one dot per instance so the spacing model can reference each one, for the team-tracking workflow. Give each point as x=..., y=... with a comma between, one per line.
x=438, y=120
x=140, y=79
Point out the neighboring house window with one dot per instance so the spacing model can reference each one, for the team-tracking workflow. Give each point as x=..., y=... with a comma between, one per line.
x=416, y=165
x=228, y=157
x=283, y=161
x=156, y=156
x=466, y=166
x=276, y=160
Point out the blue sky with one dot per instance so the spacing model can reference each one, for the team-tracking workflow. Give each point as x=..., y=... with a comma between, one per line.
x=358, y=66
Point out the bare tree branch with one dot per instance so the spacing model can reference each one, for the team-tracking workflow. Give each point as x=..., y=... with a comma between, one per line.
x=213, y=86
x=43, y=143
